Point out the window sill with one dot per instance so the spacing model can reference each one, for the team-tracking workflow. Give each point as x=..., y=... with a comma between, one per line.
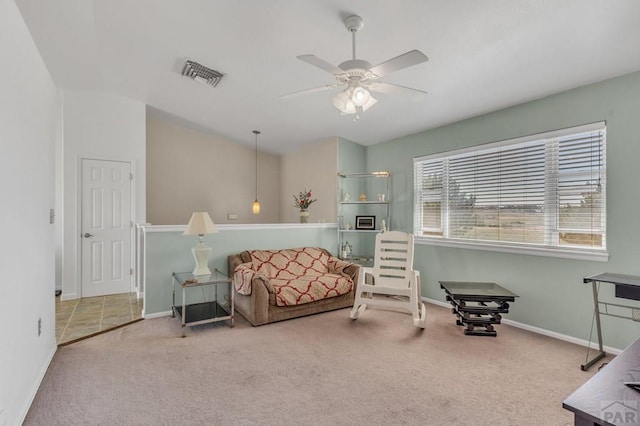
x=601, y=256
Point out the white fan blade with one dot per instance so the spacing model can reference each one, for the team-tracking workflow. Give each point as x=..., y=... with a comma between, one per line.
x=321, y=63
x=394, y=89
x=406, y=60
x=307, y=91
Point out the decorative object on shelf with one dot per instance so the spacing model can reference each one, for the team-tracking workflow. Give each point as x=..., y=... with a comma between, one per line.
x=346, y=250
x=348, y=226
x=346, y=197
x=302, y=202
x=304, y=216
x=381, y=197
x=363, y=197
x=366, y=222
x=201, y=224
x=256, y=204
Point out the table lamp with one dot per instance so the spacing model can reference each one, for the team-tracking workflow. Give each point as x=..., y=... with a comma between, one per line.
x=200, y=224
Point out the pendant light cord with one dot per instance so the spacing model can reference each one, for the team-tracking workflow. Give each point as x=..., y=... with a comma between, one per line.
x=256, y=132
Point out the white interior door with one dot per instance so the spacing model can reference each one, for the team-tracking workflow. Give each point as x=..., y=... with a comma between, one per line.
x=106, y=227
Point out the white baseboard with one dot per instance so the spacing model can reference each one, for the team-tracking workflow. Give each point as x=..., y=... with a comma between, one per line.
x=157, y=315
x=38, y=382
x=559, y=336
x=68, y=296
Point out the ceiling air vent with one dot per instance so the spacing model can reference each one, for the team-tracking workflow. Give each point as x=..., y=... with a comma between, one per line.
x=200, y=73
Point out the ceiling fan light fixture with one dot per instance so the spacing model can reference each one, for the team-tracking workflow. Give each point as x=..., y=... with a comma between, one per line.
x=353, y=100
x=370, y=102
x=343, y=102
x=359, y=76
x=360, y=96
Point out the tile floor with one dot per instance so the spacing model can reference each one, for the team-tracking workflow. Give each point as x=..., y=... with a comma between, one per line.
x=83, y=317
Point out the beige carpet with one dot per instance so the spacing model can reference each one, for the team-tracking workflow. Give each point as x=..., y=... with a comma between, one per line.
x=322, y=370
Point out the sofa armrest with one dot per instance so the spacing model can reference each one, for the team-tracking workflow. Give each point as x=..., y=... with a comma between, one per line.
x=257, y=305
x=233, y=260
x=341, y=267
x=242, y=278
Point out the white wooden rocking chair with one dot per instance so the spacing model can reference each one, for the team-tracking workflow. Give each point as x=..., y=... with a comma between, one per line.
x=391, y=282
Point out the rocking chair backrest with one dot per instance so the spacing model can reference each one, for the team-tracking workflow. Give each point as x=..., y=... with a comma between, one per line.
x=393, y=259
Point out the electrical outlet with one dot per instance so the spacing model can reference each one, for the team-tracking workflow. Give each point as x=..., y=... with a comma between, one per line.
x=39, y=326
x=52, y=215
x=635, y=314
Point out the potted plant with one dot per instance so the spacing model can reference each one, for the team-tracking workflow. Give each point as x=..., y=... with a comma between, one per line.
x=302, y=201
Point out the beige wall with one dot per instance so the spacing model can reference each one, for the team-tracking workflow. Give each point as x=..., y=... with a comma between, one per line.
x=189, y=171
x=314, y=167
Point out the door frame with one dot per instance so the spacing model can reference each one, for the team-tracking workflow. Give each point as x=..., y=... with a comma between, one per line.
x=132, y=183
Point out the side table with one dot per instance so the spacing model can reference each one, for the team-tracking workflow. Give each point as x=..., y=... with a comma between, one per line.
x=208, y=311
x=478, y=304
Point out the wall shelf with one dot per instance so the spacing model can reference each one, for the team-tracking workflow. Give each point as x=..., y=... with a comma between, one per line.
x=363, y=202
x=376, y=188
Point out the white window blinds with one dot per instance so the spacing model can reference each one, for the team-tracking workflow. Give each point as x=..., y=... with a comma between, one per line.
x=543, y=190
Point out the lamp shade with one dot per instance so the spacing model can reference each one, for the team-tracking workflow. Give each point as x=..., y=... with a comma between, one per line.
x=200, y=224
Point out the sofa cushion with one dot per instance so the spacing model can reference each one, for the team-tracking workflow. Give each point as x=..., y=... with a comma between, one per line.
x=306, y=289
x=297, y=276
x=290, y=263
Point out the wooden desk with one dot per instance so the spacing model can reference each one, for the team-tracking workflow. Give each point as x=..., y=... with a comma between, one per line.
x=628, y=281
x=604, y=399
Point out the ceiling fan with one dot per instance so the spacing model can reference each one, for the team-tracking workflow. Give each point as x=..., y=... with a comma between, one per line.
x=360, y=77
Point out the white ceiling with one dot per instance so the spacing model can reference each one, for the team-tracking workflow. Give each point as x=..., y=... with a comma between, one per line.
x=483, y=56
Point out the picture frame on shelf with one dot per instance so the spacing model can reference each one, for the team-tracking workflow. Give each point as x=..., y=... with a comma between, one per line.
x=366, y=222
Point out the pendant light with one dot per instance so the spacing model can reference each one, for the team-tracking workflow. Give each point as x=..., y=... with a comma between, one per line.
x=256, y=204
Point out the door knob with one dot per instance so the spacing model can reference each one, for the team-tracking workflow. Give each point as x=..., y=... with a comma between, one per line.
x=88, y=235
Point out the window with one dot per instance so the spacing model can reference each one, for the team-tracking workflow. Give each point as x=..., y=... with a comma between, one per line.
x=542, y=192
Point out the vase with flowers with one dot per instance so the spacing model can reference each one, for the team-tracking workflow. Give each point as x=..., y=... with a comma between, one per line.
x=302, y=201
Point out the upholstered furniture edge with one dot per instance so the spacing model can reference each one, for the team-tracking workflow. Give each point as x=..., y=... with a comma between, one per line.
x=256, y=309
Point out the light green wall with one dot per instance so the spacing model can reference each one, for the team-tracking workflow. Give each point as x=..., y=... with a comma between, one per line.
x=351, y=157
x=170, y=251
x=552, y=295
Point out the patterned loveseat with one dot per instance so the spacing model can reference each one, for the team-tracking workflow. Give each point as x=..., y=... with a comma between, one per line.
x=275, y=285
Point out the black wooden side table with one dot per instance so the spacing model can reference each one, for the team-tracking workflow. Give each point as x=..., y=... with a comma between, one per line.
x=478, y=304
